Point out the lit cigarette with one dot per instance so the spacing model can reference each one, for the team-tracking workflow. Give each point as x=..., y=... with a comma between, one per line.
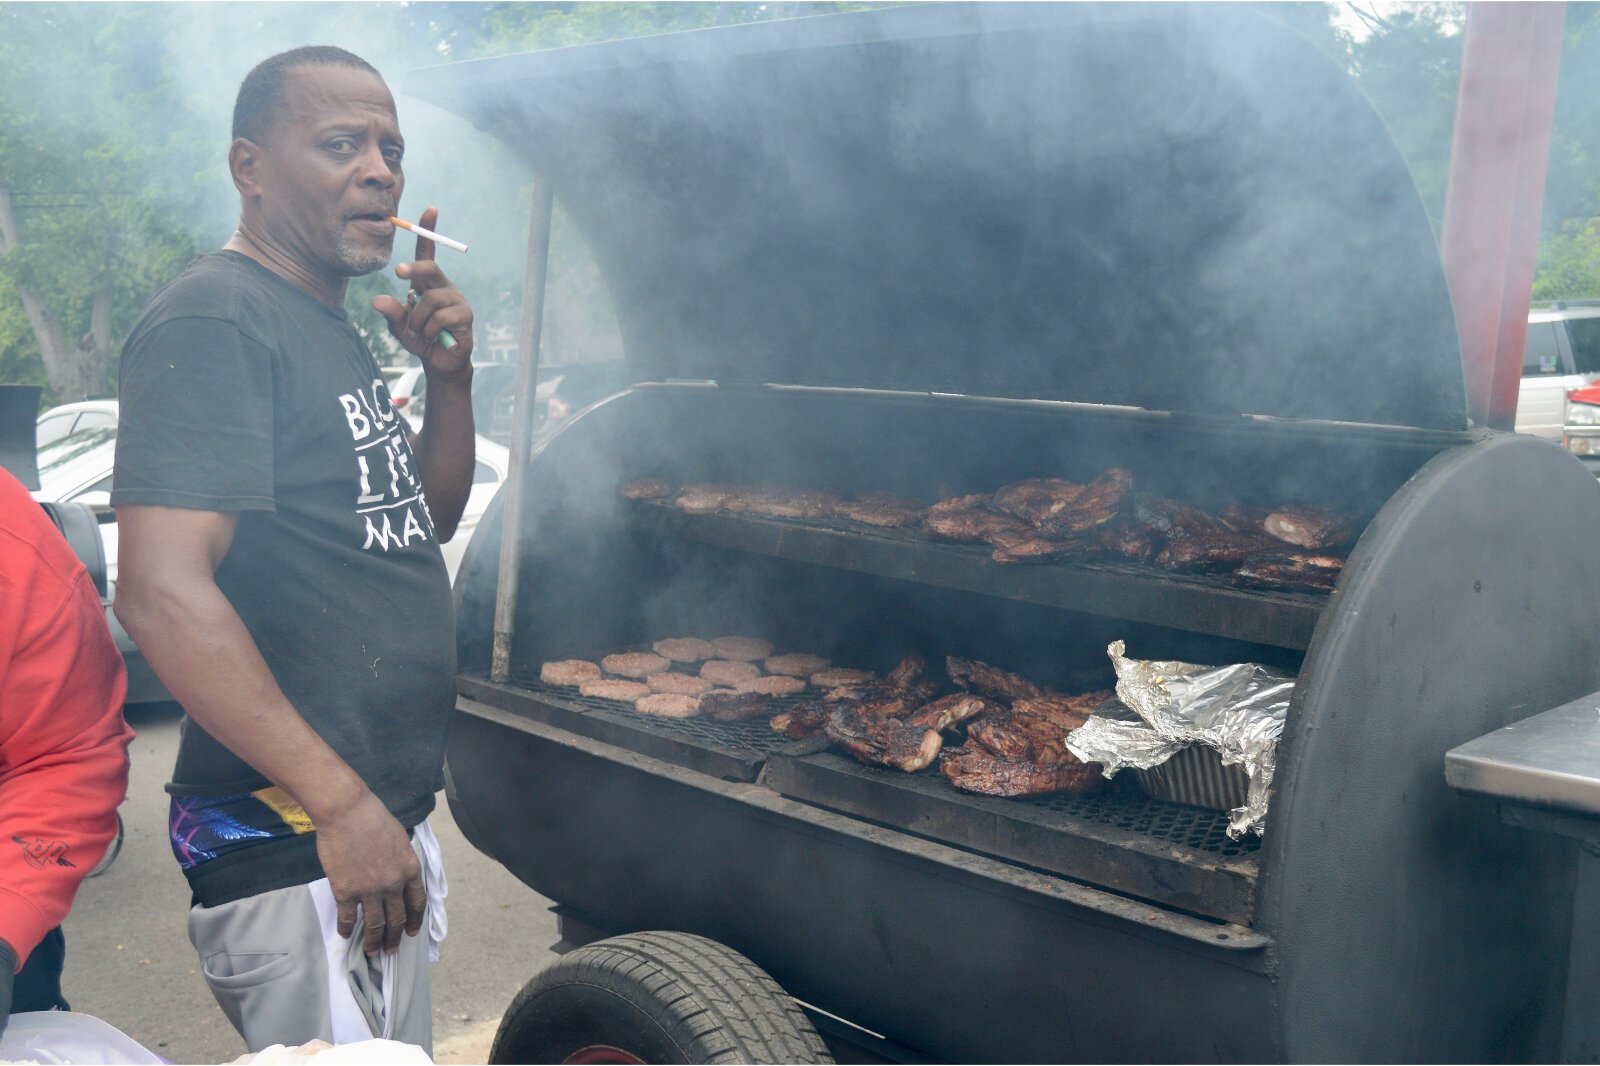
x=428, y=233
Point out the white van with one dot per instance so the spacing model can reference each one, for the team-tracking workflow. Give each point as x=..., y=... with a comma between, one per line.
x=1562, y=354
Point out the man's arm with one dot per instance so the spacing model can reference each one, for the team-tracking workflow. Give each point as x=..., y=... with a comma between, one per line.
x=169, y=602
x=446, y=448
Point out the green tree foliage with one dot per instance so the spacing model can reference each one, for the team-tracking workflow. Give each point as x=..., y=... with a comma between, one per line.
x=90, y=223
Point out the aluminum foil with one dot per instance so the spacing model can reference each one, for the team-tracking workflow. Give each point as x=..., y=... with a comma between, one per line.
x=1238, y=710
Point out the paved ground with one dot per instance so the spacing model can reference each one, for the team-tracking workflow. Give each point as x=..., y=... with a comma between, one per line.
x=129, y=960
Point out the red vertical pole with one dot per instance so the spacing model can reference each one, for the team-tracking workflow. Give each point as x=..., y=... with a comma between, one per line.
x=1498, y=157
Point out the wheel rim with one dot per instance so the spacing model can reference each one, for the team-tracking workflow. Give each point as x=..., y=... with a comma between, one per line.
x=601, y=1053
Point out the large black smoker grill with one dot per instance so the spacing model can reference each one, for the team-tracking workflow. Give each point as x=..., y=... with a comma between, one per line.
x=935, y=250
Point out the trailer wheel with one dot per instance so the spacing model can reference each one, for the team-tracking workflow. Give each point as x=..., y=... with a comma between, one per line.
x=655, y=997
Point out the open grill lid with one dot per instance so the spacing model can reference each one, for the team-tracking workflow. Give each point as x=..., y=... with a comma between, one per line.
x=1180, y=208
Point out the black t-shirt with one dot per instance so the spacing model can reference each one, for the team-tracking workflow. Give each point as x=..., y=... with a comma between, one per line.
x=240, y=393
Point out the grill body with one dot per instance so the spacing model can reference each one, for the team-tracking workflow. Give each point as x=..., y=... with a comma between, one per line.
x=935, y=250
x=1382, y=917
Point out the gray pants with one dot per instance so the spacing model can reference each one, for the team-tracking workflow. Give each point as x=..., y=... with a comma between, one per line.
x=282, y=974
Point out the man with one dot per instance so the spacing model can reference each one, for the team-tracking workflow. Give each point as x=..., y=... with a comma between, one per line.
x=63, y=745
x=280, y=567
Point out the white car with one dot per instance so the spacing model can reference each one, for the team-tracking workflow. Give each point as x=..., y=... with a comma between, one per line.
x=68, y=418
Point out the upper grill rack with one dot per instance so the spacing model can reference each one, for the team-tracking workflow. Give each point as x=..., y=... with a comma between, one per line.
x=1198, y=603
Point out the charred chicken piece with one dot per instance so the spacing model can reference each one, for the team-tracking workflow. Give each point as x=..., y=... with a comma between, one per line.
x=646, y=488
x=964, y=519
x=882, y=739
x=799, y=722
x=882, y=509
x=910, y=679
x=952, y=710
x=1291, y=571
x=1038, y=549
x=1209, y=551
x=1020, y=738
x=973, y=769
x=1098, y=503
x=1037, y=498
x=1242, y=518
x=991, y=681
x=735, y=706
x=1127, y=538
x=1313, y=528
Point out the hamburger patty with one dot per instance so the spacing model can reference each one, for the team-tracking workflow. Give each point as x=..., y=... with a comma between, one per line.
x=646, y=488
x=681, y=684
x=634, y=664
x=776, y=685
x=569, y=672
x=837, y=676
x=800, y=665
x=668, y=705
x=745, y=649
x=685, y=649
x=613, y=690
x=724, y=672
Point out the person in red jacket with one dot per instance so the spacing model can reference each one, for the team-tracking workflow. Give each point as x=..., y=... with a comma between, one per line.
x=63, y=745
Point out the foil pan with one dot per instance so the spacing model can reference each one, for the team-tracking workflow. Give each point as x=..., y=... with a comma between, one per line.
x=1164, y=707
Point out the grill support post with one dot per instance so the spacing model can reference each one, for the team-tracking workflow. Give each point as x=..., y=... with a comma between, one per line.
x=1499, y=153
x=525, y=390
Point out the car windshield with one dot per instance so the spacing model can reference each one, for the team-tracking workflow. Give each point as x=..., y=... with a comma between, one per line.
x=64, y=465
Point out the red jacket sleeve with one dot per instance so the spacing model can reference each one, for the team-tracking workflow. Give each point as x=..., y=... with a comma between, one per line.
x=63, y=741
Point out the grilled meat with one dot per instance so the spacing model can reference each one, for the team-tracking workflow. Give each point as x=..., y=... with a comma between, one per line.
x=799, y=722
x=970, y=524
x=569, y=672
x=881, y=739
x=1098, y=503
x=685, y=649
x=1037, y=549
x=735, y=706
x=835, y=676
x=743, y=649
x=1216, y=550
x=1020, y=738
x=1128, y=538
x=637, y=664
x=1313, y=528
x=668, y=705
x=729, y=673
x=1037, y=498
x=682, y=684
x=1244, y=519
x=646, y=488
x=881, y=509
x=949, y=711
x=703, y=499
x=1294, y=571
x=910, y=678
x=781, y=502
x=774, y=685
x=608, y=689
x=799, y=665
x=972, y=769
x=991, y=681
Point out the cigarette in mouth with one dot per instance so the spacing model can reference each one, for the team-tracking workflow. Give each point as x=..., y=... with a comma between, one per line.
x=428, y=233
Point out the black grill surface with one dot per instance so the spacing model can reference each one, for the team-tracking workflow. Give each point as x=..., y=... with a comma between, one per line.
x=1126, y=807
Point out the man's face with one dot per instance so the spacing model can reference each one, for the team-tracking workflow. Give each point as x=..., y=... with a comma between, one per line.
x=331, y=174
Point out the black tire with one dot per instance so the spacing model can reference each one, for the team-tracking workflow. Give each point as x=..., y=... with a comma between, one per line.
x=659, y=998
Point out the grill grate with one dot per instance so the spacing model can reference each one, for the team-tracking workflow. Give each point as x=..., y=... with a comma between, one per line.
x=1122, y=807
x=1128, y=808
x=752, y=738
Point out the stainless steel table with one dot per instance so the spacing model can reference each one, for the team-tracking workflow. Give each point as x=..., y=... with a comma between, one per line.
x=1545, y=773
